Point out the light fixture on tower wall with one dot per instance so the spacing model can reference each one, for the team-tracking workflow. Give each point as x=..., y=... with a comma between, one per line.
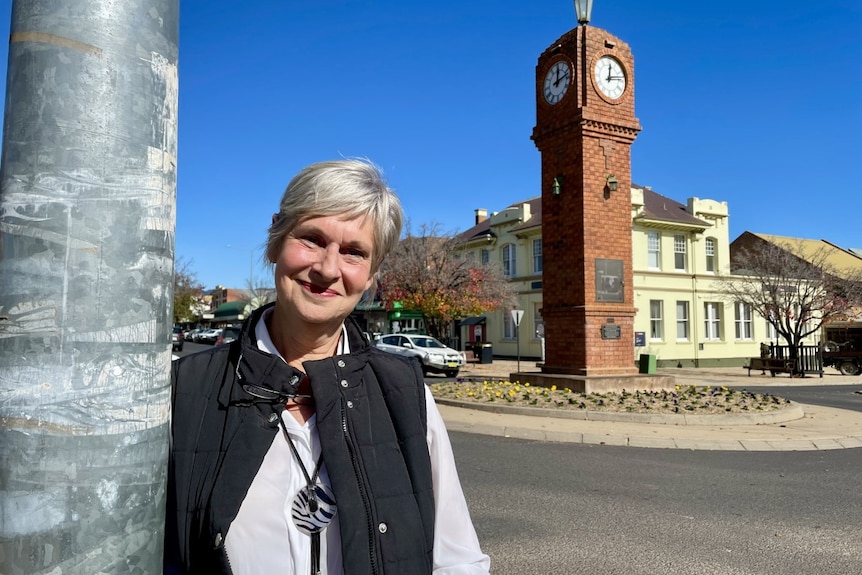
x=557, y=186
x=612, y=182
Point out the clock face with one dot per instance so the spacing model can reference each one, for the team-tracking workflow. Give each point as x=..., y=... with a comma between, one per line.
x=557, y=81
x=610, y=77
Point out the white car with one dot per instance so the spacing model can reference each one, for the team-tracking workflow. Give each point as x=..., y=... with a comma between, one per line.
x=433, y=355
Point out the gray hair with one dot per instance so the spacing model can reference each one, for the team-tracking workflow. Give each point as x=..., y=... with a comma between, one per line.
x=351, y=188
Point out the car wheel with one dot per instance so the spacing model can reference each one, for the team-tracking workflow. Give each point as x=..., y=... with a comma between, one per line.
x=848, y=368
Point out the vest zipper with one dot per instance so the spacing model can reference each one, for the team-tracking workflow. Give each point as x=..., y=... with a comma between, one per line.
x=372, y=544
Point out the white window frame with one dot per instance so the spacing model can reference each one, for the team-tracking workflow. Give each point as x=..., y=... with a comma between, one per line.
x=537, y=318
x=656, y=320
x=743, y=326
x=712, y=321
x=508, y=325
x=709, y=249
x=537, y=256
x=680, y=259
x=682, y=320
x=653, y=250
x=509, y=261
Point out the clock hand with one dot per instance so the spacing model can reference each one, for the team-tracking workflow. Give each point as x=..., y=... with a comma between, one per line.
x=564, y=76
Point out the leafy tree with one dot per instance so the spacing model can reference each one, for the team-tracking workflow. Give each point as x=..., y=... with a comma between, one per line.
x=422, y=274
x=188, y=292
x=797, y=290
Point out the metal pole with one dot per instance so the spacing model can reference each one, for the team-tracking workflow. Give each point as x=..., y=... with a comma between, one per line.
x=87, y=216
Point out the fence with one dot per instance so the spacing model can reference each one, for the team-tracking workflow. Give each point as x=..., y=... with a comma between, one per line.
x=808, y=360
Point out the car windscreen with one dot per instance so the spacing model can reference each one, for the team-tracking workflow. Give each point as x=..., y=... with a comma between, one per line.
x=426, y=342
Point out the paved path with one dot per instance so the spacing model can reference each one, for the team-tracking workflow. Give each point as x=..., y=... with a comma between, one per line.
x=818, y=428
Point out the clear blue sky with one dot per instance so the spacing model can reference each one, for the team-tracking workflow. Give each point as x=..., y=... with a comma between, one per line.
x=755, y=103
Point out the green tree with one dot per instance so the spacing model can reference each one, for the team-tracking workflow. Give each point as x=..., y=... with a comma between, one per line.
x=188, y=292
x=422, y=274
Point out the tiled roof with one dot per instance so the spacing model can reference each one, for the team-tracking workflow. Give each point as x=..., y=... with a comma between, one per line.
x=661, y=208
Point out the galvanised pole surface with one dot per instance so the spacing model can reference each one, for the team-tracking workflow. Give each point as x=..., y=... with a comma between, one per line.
x=87, y=216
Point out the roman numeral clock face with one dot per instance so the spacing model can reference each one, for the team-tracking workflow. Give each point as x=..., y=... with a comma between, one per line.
x=557, y=81
x=610, y=78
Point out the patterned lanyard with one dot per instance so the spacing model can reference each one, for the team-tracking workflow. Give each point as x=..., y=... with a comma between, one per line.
x=313, y=505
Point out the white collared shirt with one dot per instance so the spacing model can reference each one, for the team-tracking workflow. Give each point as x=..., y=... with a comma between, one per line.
x=263, y=539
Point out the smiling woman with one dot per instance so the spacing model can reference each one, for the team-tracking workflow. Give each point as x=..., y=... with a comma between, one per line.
x=283, y=438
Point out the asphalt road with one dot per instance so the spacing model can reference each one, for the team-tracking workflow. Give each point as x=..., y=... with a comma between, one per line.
x=602, y=510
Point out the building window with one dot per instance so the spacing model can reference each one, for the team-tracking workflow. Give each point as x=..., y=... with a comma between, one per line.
x=679, y=252
x=710, y=254
x=537, y=256
x=537, y=321
x=655, y=319
x=682, y=320
x=485, y=256
x=471, y=256
x=712, y=320
x=743, y=321
x=509, y=260
x=771, y=332
x=653, y=250
x=508, y=325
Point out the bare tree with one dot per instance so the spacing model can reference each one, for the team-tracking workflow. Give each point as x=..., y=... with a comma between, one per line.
x=257, y=295
x=797, y=290
x=423, y=274
x=188, y=292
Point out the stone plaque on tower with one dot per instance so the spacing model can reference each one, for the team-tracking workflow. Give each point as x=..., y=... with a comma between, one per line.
x=585, y=126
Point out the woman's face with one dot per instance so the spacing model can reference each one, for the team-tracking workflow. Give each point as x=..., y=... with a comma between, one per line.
x=323, y=268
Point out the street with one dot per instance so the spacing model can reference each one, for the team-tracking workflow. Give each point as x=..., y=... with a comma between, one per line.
x=603, y=510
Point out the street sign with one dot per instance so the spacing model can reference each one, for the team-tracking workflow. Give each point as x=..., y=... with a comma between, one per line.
x=517, y=314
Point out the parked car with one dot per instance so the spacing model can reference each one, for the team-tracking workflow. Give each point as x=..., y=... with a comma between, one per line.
x=177, y=339
x=209, y=335
x=434, y=356
x=228, y=334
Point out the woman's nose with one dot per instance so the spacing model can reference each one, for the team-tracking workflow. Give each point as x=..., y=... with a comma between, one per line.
x=327, y=264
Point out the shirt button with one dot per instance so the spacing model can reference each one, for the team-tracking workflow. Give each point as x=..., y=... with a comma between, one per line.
x=341, y=363
x=218, y=540
x=344, y=383
x=294, y=380
x=383, y=528
x=350, y=404
x=273, y=417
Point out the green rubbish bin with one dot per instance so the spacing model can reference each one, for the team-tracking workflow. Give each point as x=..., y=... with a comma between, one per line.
x=486, y=352
x=647, y=363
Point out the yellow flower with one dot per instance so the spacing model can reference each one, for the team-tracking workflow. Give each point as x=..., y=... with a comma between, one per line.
x=553, y=388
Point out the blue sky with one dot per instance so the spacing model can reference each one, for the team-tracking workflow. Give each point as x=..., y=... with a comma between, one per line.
x=755, y=103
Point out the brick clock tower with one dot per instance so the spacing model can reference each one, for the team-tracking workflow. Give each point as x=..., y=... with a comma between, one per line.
x=585, y=126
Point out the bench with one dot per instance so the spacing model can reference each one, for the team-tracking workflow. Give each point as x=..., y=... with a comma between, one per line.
x=771, y=364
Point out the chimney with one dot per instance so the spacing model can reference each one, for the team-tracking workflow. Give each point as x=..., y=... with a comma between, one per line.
x=481, y=215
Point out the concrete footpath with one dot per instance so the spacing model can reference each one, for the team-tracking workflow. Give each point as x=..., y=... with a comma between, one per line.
x=814, y=428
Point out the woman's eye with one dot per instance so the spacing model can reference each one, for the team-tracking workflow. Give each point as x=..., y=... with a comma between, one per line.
x=313, y=240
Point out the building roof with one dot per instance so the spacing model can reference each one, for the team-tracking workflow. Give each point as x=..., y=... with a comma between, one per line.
x=839, y=258
x=659, y=208
x=484, y=229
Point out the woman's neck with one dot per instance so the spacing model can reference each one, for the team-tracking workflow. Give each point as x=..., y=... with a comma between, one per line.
x=300, y=343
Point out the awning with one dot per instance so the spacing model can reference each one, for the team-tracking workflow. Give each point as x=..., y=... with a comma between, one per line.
x=471, y=321
x=232, y=310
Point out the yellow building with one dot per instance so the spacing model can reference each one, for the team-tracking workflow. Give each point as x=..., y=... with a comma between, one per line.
x=678, y=250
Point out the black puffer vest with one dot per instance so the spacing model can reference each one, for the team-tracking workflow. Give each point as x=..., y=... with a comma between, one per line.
x=372, y=423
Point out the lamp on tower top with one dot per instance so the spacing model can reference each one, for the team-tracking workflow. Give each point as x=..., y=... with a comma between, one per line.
x=583, y=9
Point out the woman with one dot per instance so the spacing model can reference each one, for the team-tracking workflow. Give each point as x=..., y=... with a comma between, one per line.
x=299, y=448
